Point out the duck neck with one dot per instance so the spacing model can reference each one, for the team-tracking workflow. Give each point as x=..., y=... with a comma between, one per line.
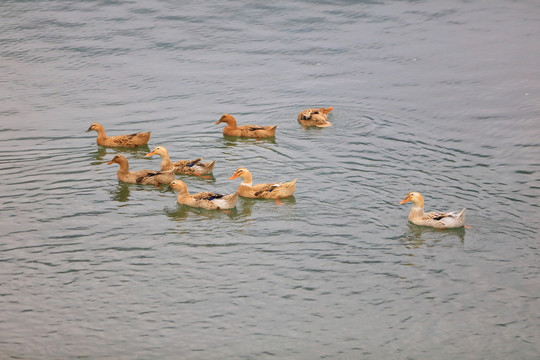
x=101, y=133
x=166, y=163
x=247, y=180
x=181, y=195
x=231, y=123
x=417, y=209
x=124, y=166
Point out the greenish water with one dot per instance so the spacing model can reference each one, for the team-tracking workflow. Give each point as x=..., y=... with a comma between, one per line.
x=437, y=98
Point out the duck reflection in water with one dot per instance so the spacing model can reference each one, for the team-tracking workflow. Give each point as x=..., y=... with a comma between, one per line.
x=237, y=140
x=102, y=152
x=243, y=209
x=120, y=192
x=418, y=235
x=182, y=212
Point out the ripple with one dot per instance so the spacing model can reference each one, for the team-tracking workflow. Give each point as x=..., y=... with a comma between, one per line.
x=421, y=102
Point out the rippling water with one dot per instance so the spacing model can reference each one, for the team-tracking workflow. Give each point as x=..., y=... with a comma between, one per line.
x=440, y=98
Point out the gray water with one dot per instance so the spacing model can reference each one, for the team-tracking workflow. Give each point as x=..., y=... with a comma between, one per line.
x=440, y=97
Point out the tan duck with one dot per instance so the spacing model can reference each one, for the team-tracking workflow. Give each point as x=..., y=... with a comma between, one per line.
x=132, y=140
x=189, y=167
x=262, y=191
x=140, y=176
x=206, y=200
x=252, y=131
x=437, y=220
x=315, y=117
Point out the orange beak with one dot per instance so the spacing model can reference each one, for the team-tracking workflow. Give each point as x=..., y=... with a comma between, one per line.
x=110, y=162
x=151, y=153
x=234, y=176
x=407, y=199
x=217, y=122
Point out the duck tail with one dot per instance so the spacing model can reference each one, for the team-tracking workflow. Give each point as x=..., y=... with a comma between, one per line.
x=210, y=165
x=231, y=197
x=461, y=216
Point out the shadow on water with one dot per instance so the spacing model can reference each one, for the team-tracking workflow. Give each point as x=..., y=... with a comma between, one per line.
x=122, y=190
x=417, y=236
x=106, y=153
x=183, y=212
x=235, y=140
x=245, y=205
x=243, y=209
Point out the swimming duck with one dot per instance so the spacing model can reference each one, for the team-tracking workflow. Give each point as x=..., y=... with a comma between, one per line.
x=252, y=131
x=140, y=176
x=131, y=140
x=189, y=167
x=315, y=117
x=206, y=200
x=437, y=220
x=262, y=191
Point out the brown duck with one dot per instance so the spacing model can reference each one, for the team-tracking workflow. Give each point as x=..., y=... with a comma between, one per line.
x=131, y=140
x=189, y=167
x=206, y=200
x=252, y=131
x=140, y=176
x=315, y=117
x=262, y=191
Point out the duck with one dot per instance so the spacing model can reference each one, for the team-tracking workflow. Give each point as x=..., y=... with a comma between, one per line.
x=252, y=131
x=206, y=200
x=189, y=167
x=132, y=140
x=315, y=117
x=437, y=220
x=140, y=176
x=262, y=191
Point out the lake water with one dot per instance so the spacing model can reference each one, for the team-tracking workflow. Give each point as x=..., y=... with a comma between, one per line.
x=439, y=97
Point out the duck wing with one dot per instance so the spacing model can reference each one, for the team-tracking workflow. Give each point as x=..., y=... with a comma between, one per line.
x=129, y=140
x=444, y=216
x=143, y=175
x=434, y=215
x=188, y=163
x=250, y=128
x=263, y=189
x=206, y=195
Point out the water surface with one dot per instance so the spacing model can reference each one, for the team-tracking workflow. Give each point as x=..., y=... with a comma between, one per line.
x=441, y=98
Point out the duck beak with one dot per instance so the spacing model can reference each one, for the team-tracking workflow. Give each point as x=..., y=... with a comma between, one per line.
x=89, y=129
x=110, y=162
x=153, y=152
x=234, y=176
x=407, y=199
x=217, y=122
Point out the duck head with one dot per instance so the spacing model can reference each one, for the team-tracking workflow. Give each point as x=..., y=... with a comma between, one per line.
x=117, y=159
x=160, y=150
x=178, y=186
x=227, y=118
x=95, y=127
x=414, y=197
